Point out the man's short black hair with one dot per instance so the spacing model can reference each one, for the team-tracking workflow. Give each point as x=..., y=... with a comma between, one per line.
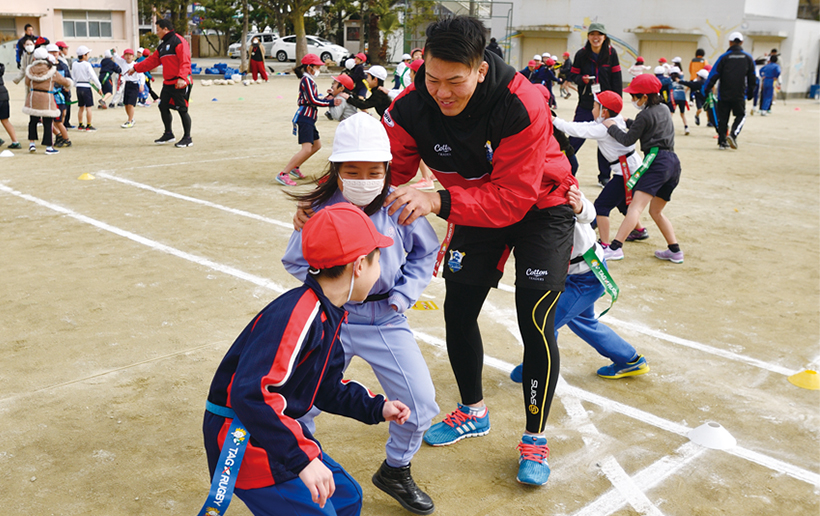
x=773, y=59
x=27, y=27
x=774, y=51
x=459, y=39
x=700, y=52
x=165, y=24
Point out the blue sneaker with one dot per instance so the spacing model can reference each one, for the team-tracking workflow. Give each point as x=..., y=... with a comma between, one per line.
x=533, y=468
x=456, y=426
x=634, y=368
x=517, y=374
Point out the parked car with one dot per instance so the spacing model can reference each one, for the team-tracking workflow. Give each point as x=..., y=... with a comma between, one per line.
x=268, y=39
x=284, y=49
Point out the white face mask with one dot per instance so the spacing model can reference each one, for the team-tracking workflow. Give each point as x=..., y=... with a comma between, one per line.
x=361, y=192
x=29, y=48
x=639, y=108
x=599, y=119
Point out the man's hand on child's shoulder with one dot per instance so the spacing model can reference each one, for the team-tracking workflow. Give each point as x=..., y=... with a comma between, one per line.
x=395, y=411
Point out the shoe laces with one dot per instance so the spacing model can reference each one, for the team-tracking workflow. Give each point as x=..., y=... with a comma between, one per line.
x=458, y=418
x=534, y=452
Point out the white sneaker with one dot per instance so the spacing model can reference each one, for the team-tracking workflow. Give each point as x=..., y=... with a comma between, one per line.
x=128, y=125
x=613, y=256
x=32, y=147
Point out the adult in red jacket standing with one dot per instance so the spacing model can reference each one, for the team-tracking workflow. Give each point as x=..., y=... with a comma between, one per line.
x=175, y=57
x=486, y=134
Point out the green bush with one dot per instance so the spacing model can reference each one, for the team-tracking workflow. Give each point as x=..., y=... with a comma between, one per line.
x=149, y=40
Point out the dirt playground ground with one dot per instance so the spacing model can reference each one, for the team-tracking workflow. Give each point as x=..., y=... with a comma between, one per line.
x=121, y=294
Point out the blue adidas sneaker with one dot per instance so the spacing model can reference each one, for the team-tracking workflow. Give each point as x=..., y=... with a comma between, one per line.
x=533, y=467
x=458, y=425
x=517, y=374
x=634, y=368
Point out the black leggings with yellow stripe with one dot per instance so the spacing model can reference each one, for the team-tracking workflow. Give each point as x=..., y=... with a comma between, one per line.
x=536, y=321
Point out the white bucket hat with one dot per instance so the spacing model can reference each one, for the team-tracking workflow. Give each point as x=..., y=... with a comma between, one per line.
x=40, y=53
x=361, y=138
x=83, y=50
x=703, y=73
x=378, y=72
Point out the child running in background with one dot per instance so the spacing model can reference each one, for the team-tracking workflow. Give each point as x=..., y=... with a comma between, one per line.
x=608, y=106
x=576, y=306
x=696, y=87
x=304, y=121
x=358, y=75
x=656, y=179
x=108, y=69
x=376, y=329
x=639, y=68
x=287, y=360
x=5, y=112
x=667, y=97
x=84, y=78
x=679, y=96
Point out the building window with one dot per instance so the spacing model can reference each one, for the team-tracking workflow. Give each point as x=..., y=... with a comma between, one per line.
x=87, y=24
x=8, y=31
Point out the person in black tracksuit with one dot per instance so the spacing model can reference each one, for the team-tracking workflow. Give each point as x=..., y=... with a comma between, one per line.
x=735, y=69
x=595, y=65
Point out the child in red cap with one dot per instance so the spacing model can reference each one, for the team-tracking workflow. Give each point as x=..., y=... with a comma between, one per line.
x=284, y=362
x=655, y=180
x=304, y=121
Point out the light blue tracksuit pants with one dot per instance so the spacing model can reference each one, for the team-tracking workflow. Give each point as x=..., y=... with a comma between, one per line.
x=388, y=345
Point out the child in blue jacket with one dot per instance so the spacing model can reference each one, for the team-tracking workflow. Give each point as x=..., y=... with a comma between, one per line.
x=285, y=361
x=376, y=329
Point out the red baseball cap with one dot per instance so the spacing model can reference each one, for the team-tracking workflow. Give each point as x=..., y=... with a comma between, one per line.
x=416, y=50
x=61, y=44
x=146, y=52
x=312, y=59
x=639, y=59
x=610, y=100
x=531, y=63
x=345, y=80
x=550, y=62
x=662, y=60
x=707, y=67
x=361, y=56
x=128, y=51
x=339, y=234
x=566, y=54
x=415, y=65
x=644, y=84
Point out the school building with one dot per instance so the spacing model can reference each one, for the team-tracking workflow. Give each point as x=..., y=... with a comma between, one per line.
x=656, y=28
x=97, y=24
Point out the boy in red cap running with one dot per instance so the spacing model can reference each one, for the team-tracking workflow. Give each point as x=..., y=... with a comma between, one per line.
x=285, y=361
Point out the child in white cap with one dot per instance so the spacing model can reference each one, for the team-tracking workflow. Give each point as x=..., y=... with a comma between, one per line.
x=378, y=99
x=376, y=329
x=84, y=77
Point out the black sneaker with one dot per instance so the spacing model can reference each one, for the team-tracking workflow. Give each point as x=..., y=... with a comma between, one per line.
x=637, y=235
x=165, y=138
x=63, y=143
x=184, y=142
x=723, y=146
x=69, y=126
x=732, y=141
x=697, y=120
x=399, y=483
x=90, y=128
x=81, y=127
x=57, y=141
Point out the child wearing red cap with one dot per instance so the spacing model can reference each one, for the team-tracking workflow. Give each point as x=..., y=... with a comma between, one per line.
x=134, y=86
x=287, y=360
x=358, y=75
x=639, y=68
x=304, y=121
x=655, y=180
x=377, y=330
x=342, y=83
x=608, y=106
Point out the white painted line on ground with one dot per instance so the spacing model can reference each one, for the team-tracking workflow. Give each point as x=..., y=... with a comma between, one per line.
x=501, y=286
x=168, y=165
x=763, y=460
x=231, y=271
x=645, y=479
x=613, y=471
x=242, y=213
x=685, y=342
x=644, y=417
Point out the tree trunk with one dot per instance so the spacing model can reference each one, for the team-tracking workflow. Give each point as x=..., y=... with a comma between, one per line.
x=374, y=40
x=362, y=20
x=243, y=67
x=298, y=19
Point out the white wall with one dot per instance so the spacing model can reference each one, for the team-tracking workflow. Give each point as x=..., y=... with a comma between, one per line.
x=774, y=9
x=800, y=68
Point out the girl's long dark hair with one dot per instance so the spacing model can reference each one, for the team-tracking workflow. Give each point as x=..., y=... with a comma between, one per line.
x=328, y=183
x=603, y=55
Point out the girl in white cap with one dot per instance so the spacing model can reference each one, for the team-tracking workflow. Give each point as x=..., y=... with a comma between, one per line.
x=376, y=329
x=304, y=121
x=84, y=76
